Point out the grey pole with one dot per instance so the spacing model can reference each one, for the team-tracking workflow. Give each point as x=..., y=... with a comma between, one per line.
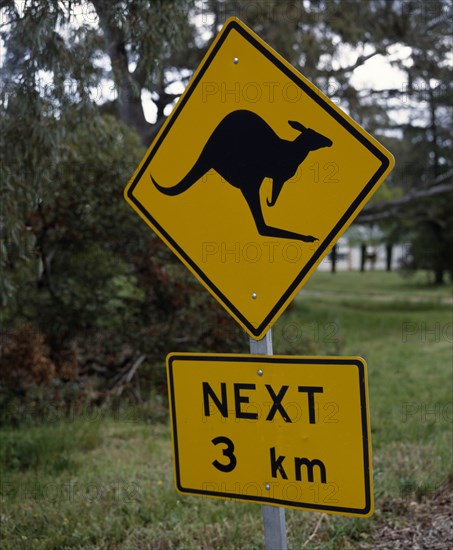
x=273, y=517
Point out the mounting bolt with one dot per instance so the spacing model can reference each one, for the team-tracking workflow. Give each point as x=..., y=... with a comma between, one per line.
x=267, y=487
x=235, y=60
x=260, y=372
x=254, y=295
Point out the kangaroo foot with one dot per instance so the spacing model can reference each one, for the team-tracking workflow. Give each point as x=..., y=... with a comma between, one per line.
x=308, y=238
x=268, y=231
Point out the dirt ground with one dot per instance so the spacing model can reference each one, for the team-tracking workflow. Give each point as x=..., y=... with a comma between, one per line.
x=417, y=525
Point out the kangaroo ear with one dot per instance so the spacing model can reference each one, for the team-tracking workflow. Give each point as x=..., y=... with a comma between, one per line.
x=296, y=125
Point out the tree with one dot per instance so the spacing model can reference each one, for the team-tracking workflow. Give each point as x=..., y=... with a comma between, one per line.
x=142, y=35
x=77, y=264
x=421, y=212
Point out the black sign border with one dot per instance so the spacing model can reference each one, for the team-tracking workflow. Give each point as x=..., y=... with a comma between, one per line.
x=357, y=361
x=269, y=54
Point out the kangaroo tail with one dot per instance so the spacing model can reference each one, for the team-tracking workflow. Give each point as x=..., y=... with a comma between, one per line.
x=176, y=189
x=192, y=177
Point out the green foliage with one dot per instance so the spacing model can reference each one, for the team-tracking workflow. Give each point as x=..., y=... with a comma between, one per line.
x=99, y=287
x=431, y=241
x=71, y=273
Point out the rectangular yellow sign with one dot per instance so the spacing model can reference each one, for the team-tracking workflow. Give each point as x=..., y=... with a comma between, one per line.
x=286, y=431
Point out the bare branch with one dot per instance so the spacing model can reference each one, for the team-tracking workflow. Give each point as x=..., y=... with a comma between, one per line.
x=360, y=61
x=391, y=209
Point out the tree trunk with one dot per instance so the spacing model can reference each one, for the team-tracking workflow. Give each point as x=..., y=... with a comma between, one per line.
x=439, y=276
x=441, y=255
x=333, y=256
x=362, y=257
x=128, y=86
x=389, y=254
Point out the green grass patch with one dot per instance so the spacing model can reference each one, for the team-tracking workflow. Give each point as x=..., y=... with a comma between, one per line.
x=105, y=481
x=418, y=285
x=48, y=447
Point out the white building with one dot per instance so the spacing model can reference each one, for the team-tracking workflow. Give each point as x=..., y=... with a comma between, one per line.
x=349, y=257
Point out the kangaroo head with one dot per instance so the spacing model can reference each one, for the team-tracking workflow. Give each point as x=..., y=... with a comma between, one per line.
x=309, y=138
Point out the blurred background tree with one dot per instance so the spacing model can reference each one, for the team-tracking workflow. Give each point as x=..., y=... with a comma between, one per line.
x=85, y=87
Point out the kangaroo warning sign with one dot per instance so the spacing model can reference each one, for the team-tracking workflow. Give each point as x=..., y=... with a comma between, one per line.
x=254, y=176
x=286, y=431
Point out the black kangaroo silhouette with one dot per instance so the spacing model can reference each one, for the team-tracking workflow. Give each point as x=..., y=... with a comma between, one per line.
x=243, y=149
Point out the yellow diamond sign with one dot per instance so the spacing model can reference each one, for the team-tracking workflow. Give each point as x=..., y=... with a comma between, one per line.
x=254, y=176
x=286, y=431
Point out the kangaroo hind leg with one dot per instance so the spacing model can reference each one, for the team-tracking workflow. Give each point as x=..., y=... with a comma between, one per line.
x=253, y=200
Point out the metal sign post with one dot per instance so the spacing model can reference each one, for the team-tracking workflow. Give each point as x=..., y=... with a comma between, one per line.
x=273, y=516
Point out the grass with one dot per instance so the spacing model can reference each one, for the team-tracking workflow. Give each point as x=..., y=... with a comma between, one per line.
x=417, y=285
x=46, y=447
x=107, y=482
